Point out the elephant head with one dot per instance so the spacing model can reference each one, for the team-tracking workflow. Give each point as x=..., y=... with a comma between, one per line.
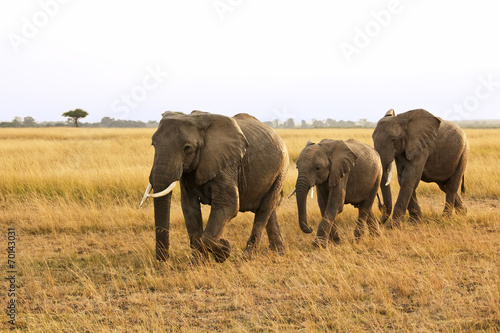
x=408, y=135
x=325, y=162
x=200, y=145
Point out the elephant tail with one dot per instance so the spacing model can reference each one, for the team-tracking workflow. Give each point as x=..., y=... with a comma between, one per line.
x=462, y=189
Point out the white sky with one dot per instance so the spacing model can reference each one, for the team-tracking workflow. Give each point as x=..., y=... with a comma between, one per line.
x=272, y=59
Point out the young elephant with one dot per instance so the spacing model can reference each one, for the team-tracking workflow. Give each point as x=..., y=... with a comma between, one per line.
x=343, y=172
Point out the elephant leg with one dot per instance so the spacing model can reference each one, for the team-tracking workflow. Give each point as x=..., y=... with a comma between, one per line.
x=414, y=209
x=460, y=208
x=265, y=216
x=194, y=223
x=373, y=225
x=262, y=217
x=453, y=200
x=394, y=222
x=274, y=234
x=333, y=237
x=366, y=215
x=360, y=223
x=225, y=205
x=448, y=208
x=322, y=197
x=327, y=229
x=449, y=204
x=410, y=178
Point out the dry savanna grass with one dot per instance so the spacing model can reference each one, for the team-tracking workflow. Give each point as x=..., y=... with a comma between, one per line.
x=85, y=253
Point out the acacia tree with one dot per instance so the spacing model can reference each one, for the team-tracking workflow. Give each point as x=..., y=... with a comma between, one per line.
x=75, y=115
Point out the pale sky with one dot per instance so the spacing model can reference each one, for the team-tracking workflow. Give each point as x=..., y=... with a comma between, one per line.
x=273, y=59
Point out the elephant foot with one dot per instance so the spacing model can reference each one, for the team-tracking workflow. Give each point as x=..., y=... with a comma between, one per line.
x=278, y=248
x=357, y=234
x=414, y=219
x=248, y=254
x=446, y=214
x=393, y=224
x=219, y=248
x=162, y=256
x=320, y=242
x=223, y=251
x=276, y=244
x=334, y=237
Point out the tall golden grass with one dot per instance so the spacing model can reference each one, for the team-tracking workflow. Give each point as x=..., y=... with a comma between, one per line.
x=85, y=252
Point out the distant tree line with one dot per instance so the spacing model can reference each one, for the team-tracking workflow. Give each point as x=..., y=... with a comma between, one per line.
x=105, y=122
x=364, y=123
x=317, y=123
x=289, y=123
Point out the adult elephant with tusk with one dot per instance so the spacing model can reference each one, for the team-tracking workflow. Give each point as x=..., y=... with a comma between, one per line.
x=426, y=148
x=233, y=164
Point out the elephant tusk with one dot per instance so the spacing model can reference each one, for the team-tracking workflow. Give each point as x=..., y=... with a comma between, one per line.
x=293, y=192
x=164, y=192
x=389, y=173
x=312, y=192
x=146, y=194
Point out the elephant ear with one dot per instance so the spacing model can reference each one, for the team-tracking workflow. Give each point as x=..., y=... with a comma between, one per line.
x=223, y=144
x=342, y=159
x=422, y=130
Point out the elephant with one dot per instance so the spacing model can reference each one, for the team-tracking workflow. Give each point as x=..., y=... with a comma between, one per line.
x=230, y=163
x=425, y=148
x=344, y=172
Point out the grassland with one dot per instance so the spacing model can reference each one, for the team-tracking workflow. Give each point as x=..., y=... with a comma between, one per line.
x=85, y=253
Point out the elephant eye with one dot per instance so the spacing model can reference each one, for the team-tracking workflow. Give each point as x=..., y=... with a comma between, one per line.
x=188, y=148
x=318, y=168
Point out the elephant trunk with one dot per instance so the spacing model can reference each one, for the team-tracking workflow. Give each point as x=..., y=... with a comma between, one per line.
x=162, y=226
x=302, y=187
x=163, y=179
